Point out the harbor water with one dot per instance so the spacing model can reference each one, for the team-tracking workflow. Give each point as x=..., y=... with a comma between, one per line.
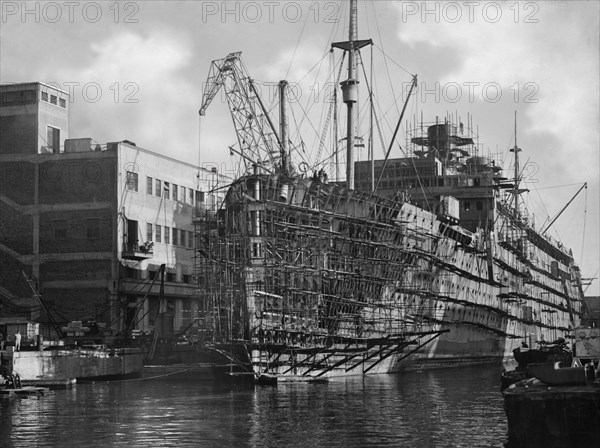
x=460, y=407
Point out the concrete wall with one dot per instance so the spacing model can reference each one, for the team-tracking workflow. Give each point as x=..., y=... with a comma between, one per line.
x=83, y=363
x=158, y=210
x=26, y=111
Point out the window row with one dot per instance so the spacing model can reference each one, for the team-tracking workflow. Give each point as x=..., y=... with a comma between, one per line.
x=173, y=191
x=19, y=97
x=164, y=234
x=53, y=99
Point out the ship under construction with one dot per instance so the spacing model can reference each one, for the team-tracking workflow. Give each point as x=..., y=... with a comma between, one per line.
x=427, y=260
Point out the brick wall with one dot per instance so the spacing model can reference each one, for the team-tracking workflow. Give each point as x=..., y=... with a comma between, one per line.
x=75, y=270
x=11, y=277
x=78, y=304
x=78, y=223
x=17, y=181
x=76, y=180
x=16, y=229
x=19, y=133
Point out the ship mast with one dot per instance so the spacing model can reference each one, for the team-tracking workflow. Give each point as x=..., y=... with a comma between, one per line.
x=350, y=88
x=516, y=150
x=350, y=95
x=283, y=127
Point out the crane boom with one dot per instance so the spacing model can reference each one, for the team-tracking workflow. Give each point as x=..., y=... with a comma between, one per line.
x=257, y=138
x=564, y=208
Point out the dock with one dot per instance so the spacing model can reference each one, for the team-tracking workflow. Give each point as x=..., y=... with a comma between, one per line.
x=552, y=416
x=25, y=391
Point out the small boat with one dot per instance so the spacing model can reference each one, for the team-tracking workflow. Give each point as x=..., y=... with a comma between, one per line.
x=552, y=374
x=508, y=377
x=546, y=353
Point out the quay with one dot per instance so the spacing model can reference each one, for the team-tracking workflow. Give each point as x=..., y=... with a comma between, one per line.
x=545, y=416
x=25, y=391
x=62, y=367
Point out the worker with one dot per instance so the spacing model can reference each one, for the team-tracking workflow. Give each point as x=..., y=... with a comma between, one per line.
x=18, y=341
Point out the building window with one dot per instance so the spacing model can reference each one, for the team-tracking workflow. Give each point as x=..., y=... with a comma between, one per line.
x=175, y=236
x=166, y=190
x=92, y=226
x=182, y=238
x=167, y=234
x=190, y=196
x=171, y=277
x=148, y=185
x=132, y=181
x=191, y=240
x=183, y=194
x=29, y=96
x=60, y=229
x=467, y=205
x=53, y=99
x=157, y=190
x=479, y=205
x=158, y=233
x=149, y=232
x=10, y=97
x=186, y=308
x=62, y=102
x=175, y=193
x=53, y=139
x=44, y=96
x=199, y=197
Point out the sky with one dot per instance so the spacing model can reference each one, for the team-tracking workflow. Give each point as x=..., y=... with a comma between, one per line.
x=136, y=71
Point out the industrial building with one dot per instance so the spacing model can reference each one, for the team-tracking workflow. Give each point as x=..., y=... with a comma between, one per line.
x=88, y=226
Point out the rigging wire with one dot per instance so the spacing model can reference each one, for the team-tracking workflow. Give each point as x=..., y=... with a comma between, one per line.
x=387, y=57
x=318, y=65
x=584, y=225
x=303, y=152
x=559, y=186
x=329, y=114
x=296, y=47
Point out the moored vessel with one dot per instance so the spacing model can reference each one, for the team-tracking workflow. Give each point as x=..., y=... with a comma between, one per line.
x=423, y=261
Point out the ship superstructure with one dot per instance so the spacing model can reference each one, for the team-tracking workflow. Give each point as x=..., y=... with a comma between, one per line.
x=501, y=282
x=437, y=265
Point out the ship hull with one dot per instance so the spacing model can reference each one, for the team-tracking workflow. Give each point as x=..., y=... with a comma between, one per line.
x=316, y=279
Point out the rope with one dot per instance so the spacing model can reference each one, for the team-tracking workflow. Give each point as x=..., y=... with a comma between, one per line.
x=584, y=223
x=296, y=47
x=157, y=376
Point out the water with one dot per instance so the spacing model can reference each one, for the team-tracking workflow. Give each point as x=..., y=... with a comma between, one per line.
x=451, y=408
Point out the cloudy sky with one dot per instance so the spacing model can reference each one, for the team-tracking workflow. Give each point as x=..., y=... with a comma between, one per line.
x=136, y=70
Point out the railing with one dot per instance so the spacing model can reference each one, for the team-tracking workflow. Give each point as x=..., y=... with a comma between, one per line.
x=138, y=251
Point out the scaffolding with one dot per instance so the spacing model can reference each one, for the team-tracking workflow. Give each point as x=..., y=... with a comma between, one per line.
x=299, y=265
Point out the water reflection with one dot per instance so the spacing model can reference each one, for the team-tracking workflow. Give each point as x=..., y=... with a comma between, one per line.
x=452, y=408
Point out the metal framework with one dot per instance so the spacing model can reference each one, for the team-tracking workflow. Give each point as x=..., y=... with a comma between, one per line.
x=257, y=139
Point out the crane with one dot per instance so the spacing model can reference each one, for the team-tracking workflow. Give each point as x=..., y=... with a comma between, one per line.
x=259, y=143
x=563, y=209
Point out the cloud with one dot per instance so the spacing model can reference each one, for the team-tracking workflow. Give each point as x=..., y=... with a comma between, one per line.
x=135, y=84
x=550, y=58
x=556, y=51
